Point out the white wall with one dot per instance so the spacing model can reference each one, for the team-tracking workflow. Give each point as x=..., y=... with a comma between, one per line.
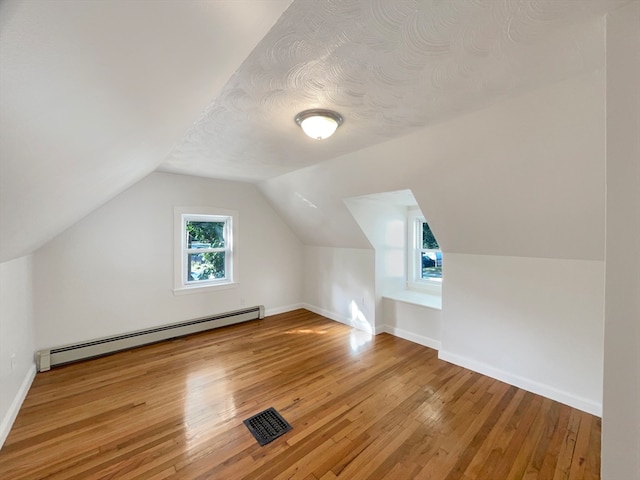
x=339, y=283
x=105, y=107
x=112, y=272
x=17, y=338
x=621, y=416
x=414, y=322
x=532, y=322
x=385, y=226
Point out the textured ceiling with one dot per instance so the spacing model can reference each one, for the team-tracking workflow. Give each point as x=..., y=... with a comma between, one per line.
x=389, y=67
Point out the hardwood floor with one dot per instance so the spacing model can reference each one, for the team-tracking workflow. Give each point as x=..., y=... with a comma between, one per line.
x=360, y=407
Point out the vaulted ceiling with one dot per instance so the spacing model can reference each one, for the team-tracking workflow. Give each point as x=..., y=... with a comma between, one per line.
x=96, y=95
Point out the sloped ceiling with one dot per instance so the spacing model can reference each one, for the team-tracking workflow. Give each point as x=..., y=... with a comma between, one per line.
x=389, y=67
x=522, y=178
x=96, y=95
x=93, y=96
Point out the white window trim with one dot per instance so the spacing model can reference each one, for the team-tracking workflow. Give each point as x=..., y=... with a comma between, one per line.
x=414, y=249
x=180, y=286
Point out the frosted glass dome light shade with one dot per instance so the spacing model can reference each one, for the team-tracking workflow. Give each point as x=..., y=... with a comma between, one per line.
x=319, y=124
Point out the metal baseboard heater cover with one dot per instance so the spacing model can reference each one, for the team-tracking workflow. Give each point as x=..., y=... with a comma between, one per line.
x=45, y=359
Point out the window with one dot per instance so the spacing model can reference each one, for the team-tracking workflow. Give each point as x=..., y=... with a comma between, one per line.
x=425, y=256
x=430, y=256
x=206, y=249
x=205, y=254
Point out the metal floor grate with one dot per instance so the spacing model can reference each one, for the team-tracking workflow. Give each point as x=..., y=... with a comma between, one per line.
x=267, y=425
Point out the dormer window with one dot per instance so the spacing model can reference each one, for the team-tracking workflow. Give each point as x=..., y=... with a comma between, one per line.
x=428, y=250
x=424, y=254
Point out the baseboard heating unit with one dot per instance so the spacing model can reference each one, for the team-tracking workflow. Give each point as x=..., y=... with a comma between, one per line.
x=45, y=359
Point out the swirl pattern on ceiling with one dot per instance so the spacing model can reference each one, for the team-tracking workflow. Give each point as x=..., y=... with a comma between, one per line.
x=389, y=67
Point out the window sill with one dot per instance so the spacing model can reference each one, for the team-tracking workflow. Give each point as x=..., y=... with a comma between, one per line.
x=423, y=299
x=204, y=288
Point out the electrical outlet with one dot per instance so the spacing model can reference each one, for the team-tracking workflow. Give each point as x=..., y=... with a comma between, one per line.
x=13, y=361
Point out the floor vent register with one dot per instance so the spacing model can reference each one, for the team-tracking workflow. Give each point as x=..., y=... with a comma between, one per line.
x=267, y=425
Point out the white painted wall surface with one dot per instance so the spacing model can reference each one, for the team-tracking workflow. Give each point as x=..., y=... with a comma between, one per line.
x=413, y=322
x=385, y=226
x=339, y=284
x=112, y=272
x=621, y=415
x=106, y=88
x=533, y=322
x=17, y=338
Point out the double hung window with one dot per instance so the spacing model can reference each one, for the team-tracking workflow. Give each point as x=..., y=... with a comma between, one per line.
x=424, y=254
x=205, y=249
x=428, y=253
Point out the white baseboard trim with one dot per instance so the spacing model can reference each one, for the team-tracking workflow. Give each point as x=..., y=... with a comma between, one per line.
x=12, y=413
x=381, y=329
x=327, y=313
x=277, y=310
x=548, y=391
x=412, y=337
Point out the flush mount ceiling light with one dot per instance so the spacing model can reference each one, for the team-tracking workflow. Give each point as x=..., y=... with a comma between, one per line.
x=318, y=123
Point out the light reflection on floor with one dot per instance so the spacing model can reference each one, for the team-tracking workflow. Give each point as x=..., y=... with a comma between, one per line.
x=429, y=411
x=358, y=339
x=208, y=399
x=300, y=331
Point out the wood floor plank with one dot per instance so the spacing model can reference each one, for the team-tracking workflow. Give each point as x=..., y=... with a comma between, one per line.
x=492, y=448
x=361, y=407
x=520, y=465
x=565, y=455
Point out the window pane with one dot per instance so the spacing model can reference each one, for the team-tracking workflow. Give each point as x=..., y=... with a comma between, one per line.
x=431, y=265
x=205, y=234
x=205, y=266
x=428, y=240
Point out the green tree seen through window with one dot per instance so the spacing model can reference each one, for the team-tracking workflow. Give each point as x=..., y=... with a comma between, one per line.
x=428, y=239
x=430, y=256
x=206, y=265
